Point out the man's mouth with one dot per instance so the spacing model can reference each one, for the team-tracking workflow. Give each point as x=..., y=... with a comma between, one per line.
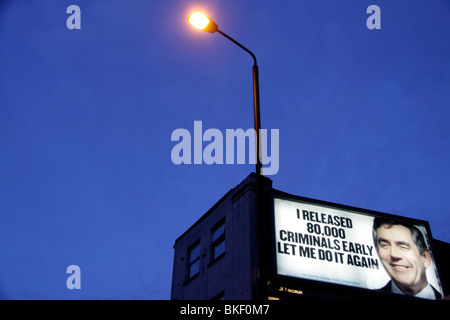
x=399, y=267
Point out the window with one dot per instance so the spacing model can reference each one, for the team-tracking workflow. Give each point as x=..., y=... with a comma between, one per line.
x=218, y=240
x=193, y=260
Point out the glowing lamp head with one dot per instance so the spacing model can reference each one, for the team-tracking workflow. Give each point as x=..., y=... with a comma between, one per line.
x=202, y=22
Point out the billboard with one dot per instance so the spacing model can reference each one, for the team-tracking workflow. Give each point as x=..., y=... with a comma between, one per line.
x=319, y=241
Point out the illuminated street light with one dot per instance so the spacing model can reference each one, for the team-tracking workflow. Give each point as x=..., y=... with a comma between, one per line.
x=202, y=22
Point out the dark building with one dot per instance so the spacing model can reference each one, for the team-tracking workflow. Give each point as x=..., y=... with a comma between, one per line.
x=218, y=257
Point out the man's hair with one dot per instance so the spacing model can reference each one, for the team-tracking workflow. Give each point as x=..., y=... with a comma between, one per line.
x=417, y=235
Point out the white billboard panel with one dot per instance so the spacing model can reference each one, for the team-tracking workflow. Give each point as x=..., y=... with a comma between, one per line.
x=330, y=244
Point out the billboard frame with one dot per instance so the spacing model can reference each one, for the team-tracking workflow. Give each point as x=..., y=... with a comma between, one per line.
x=279, y=284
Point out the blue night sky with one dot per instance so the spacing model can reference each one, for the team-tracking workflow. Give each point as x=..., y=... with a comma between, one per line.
x=86, y=117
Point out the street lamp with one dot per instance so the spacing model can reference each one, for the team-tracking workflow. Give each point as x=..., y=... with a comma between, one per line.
x=202, y=22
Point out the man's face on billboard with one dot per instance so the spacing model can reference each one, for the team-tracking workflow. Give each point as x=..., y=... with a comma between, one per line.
x=402, y=259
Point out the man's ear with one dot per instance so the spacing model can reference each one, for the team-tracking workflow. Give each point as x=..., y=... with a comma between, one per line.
x=426, y=258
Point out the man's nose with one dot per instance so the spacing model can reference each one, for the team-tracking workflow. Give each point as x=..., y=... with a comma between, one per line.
x=395, y=253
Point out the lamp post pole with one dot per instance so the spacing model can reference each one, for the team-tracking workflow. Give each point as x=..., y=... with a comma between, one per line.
x=256, y=104
x=204, y=23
